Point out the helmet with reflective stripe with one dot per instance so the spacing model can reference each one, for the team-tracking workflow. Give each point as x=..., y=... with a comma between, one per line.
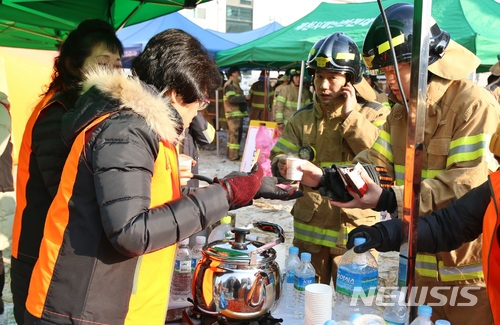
x=336, y=53
x=376, y=48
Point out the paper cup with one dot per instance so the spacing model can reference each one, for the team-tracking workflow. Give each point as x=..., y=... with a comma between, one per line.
x=318, y=303
x=292, y=173
x=185, y=164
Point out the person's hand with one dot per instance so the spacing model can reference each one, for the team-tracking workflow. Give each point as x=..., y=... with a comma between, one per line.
x=241, y=189
x=311, y=174
x=281, y=127
x=373, y=237
x=271, y=189
x=385, y=236
x=349, y=94
x=369, y=199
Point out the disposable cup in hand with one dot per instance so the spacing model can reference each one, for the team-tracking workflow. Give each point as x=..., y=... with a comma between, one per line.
x=292, y=173
x=185, y=164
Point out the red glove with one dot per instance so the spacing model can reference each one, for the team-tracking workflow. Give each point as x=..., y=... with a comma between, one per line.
x=241, y=189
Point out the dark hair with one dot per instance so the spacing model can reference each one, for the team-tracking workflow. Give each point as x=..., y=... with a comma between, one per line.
x=232, y=70
x=77, y=47
x=173, y=59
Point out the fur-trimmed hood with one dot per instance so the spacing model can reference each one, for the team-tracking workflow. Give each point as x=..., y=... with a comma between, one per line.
x=106, y=91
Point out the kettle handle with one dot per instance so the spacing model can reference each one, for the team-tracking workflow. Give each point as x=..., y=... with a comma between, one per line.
x=269, y=227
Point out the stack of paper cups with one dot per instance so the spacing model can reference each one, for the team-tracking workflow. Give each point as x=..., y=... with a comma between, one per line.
x=318, y=300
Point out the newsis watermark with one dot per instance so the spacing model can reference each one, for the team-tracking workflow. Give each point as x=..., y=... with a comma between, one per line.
x=441, y=296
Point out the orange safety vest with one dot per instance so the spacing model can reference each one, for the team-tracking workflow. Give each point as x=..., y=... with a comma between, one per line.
x=491, y=247
x=147, y=303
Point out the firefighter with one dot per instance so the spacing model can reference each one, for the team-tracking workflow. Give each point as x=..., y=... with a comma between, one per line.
x=459, y=121
x=258, y=98
x=334, y=127
x=235, y=106
x=446, y=229
x=287, y=100
x=282, y=82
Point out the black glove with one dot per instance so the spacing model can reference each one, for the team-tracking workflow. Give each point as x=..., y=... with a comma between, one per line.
x=241, y=187
x=270, y=189
x=384, y=236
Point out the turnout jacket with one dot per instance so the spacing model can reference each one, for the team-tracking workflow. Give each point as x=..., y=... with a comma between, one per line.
x=235, y=104
x=336, y=141
x=287, y=102
x=475, y=213
x=110, y=236
x=459, y=122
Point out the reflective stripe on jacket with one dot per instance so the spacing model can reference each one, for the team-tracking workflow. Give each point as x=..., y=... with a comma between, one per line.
x=460, y=119
x=335, y=140
x=234, y=100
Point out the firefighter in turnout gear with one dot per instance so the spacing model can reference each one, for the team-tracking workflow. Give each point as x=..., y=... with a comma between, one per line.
x=258, y=99
x=287, y=100
x=459, y=122
x=337, y=127
x=235, y=106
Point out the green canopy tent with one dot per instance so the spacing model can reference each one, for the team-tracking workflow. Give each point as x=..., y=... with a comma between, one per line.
x=472, y=23
x=44, y=24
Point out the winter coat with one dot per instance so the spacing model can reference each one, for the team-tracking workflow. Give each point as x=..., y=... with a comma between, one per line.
x=110, y=237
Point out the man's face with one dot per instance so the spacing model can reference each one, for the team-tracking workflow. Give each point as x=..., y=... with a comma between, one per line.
x=328, y=84
x=392, y=82
x=296, y=80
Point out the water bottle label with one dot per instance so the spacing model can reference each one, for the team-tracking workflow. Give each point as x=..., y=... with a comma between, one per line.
x=182, y=266
x=300, y=283
x=194, y=262
x=352, y=283
x=290, y=277
x=403, y=271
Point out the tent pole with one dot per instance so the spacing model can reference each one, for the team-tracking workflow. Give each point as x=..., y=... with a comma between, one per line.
x=301, y=86
x=414, y=147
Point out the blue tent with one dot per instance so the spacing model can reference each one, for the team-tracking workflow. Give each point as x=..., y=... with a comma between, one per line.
x=136, y=36
x=245, y=37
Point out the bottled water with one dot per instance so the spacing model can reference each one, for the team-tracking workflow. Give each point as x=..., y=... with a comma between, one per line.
x=291, y=263
x=424, y=316
x=397, y=314
x=442, y=322
x=304, y=275
x=196, y=251
x=357, y=280
x=222, y=231
x=182, y=277
x=340, y=322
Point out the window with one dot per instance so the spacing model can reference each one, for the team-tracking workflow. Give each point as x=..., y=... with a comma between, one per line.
x=238, y=19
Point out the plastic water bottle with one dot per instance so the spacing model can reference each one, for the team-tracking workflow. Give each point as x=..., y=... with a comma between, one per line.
x=291, y=263
x=182, y=277
x=304, y=275
x=196, y=251
x=357, y=278
x=424, y=313
x=442, y=322
x=222, y=231
x=397, y=314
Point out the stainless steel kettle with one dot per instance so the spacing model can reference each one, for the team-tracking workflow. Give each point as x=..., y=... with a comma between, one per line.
x=238, y=278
